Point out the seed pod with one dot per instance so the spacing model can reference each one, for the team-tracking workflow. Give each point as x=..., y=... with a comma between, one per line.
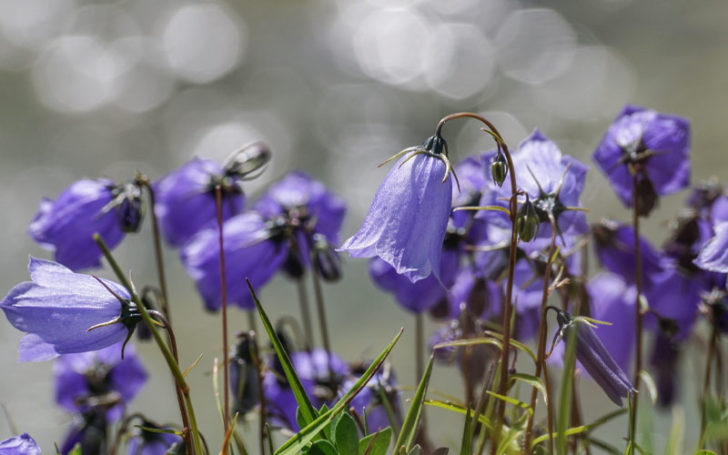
x=247, y=160
x=527, y=222
x=499, y=168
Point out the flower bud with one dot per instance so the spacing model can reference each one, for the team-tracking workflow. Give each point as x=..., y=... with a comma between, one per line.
x=499, y=168
x=326, y=259
x=527, y=222
x=247, y=160
x=646, y=196
x=435, y=144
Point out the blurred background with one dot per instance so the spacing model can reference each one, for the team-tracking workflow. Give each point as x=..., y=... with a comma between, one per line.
x=92, y=89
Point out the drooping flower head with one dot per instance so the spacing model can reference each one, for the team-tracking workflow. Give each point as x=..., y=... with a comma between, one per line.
x=65, y=312
x=310, y=216
x=595, y=358
x=99, y=380
x=90, y=431
x=244, y=375
x=252, y=251
x=67, y=225
x=552, y=183
x=406, y=223
x=19, y=445
x=653, y=146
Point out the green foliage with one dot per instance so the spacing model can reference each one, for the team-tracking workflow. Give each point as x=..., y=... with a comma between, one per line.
x=411, y=421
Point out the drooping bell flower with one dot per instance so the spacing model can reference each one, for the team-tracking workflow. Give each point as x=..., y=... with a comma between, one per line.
x=99, y=380
x=253, y=250
x=145, y=440
x=406, y=223
x=67, y=225
x=65, y=312
x=664, y=362
x=382, y=386
x=19, y=445
x=553, y=183
x=714, y=255
x=244, y=375
x=595, y=358
x=652, y=145
x=90, y=431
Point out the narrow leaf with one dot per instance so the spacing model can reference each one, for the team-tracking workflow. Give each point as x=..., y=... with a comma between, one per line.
x=460, y=410
x=467, y=441
x=531, y=380
x=409, y=426
x=565, y=398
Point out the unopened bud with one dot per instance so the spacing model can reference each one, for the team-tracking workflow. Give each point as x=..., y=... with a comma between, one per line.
x=499, y=168
x=527, y=222
x=646, y=196
x=247, y=160
x=435, y=144
x=326, y=259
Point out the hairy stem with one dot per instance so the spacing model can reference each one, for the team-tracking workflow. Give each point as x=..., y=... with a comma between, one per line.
x=637, y=309
x=223, y=291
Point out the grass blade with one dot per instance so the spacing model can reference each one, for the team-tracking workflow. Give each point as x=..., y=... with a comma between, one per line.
x=409, y=426
x=565, y=398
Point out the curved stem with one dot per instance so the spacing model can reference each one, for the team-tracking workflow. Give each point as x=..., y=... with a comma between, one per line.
x=541, y=354
x=157, y=247
x=223, y=291
x=637, y=309
x=508, y=307
x=166, y=353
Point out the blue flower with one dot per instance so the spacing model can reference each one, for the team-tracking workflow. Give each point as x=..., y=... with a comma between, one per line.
x=714, y=255
x=407, y=221
x=185, y=199
x=100, y=379
x=655, y=146
x=67, y=225
x=19, y=445
x=144, y=441
x=65, y=312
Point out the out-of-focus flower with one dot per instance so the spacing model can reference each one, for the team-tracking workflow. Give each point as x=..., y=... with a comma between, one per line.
x=90, y=432
x=595, y=358
x=65, y=312
x=145, y=441
x=406, y=223
x=654, y=146
x=664, y=361
x=382, y=386
x=99, y=380
x=252, y=251
x=244, y=376
x=19, y=445
x=553, y=183
x=67, y=225
x=185, y=199
x=714, y=255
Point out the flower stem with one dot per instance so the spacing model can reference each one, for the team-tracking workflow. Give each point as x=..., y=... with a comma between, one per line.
x=157, y=247
x=508, y=307
x=305, y=312
x=223, y=292
x=320, y=309
x=541, y=354
x=166, y=353
x=706, y=380
x=638, y=310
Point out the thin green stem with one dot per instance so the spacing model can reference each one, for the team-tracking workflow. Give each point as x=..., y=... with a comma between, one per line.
x=305, y=312
x=157, y=247
x=223, y=292
x=320, y=309
x=166, y=353
x=706, y=380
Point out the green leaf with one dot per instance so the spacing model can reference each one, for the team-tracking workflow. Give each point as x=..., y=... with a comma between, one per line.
x=409, y=426
x=450, y=406
x=514, y=343
x=513, y=401
x=323, y=447
x=564, y=410
x=303, y=437
x=376, y=443
x=346, y=436
x=76, y=450
x=583, y=428
x=531, y=380
x=416, y=450
x=308, y=412
x=675, y=440
x=467, y=440
x=647, y=380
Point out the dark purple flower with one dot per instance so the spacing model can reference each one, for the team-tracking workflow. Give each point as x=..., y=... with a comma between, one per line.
x=382, y=386
x=595, y=358
x=481, y=297
x=664, y=361
x=185, y=199
x=407, y=221
x=252, y=251
x=553, y=182
x=297, y=196
x=67, y=225
x=90, y=431
x=58, y=308
x=714, y=255
x=100, y=379
x=674, y=299
x=655, y=146
x=144, y=441
x=19, y=445
x=244, y=376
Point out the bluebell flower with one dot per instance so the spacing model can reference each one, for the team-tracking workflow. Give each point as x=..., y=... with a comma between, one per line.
x=90, y=431
x=67, y=225
x=664, y=361
x=406, y=223
x=244, y=376
x=594, y=357
x=553, y=182
x=145, y=441
x=65, y=312
x=714, y=255
x=19, y=445
x=100, y=380
x=654, y=146
x=253, y=250
x=185, y=199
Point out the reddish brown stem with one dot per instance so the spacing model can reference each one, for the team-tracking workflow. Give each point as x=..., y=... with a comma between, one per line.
x=223, y=291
